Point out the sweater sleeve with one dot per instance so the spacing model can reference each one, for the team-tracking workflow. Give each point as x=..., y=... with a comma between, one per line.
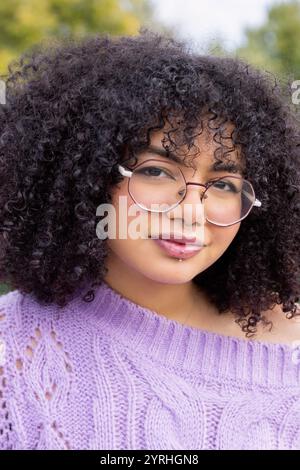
x=8, y=431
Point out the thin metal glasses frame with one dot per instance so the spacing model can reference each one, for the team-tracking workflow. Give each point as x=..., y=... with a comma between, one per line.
x=128, y=173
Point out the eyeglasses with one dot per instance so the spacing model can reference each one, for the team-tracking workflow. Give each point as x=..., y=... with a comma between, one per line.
x=227, y=199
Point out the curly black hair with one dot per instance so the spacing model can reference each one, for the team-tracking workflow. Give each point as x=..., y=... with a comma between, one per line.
x=73, y=107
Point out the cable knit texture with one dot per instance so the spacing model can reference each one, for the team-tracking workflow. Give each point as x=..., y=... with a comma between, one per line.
x=111, y=374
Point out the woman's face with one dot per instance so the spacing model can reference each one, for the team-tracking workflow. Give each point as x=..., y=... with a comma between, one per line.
x=144, y=255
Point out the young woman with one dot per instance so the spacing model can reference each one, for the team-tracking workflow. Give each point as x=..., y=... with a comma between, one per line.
x=170, y=322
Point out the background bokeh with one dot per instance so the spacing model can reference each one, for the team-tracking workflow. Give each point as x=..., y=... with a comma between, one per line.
x=264, y=32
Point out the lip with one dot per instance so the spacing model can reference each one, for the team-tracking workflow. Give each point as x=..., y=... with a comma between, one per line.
x=178, y=249
x=179, y=238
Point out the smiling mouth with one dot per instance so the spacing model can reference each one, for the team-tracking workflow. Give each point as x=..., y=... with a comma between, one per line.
x=180, y=240
x=178, y=249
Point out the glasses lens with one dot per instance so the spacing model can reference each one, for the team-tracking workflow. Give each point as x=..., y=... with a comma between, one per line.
x=157, y=185
x=228, y=200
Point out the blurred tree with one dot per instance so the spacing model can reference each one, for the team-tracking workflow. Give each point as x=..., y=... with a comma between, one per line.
x=4, y=289
x=275, y=45
x=26, y=22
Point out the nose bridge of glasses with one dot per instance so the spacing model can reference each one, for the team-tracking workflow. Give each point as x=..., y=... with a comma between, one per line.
x=205, y=187
x=196, y=184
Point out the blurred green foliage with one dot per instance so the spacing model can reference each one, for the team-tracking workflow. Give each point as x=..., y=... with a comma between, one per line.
x=275, y=45
x=26, y=22
x=3, y=289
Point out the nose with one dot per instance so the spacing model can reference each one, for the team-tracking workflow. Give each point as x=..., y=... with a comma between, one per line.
x=191, y=208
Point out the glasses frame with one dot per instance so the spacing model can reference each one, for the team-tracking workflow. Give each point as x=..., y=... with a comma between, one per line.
x=128, y=173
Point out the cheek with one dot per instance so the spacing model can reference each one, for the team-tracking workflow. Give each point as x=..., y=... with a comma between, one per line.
x=223, y=236
x=132, y=251
x=126, y=213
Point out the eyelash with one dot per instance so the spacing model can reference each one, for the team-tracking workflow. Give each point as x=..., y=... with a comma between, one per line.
x=153, y=156
x=143, y=170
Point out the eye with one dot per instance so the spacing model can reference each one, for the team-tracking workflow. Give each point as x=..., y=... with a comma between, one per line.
x=154, y=172
x=224, y=186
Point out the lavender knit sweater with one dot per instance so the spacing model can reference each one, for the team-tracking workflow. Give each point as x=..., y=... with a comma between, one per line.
x=110, y=374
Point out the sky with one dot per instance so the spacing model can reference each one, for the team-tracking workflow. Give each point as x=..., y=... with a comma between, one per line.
x=202, y=20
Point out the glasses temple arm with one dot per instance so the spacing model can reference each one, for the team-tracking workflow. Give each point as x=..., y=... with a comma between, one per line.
x=256, y=202
x=124, y=172
x=128, y=173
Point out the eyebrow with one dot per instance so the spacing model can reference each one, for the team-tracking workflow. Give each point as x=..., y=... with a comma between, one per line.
x=231, y=167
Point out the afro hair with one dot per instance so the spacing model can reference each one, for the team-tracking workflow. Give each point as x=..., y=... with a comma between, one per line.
x=72, y=109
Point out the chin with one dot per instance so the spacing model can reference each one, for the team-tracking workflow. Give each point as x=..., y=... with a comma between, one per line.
x=171, y=274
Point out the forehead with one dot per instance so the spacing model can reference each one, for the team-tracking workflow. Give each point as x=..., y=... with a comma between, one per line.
x=207, y=149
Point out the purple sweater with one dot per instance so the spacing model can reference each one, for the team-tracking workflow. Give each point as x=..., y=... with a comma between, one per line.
x=111, y=374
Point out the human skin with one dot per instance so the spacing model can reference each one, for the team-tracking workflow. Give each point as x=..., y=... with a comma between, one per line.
x=142, y=272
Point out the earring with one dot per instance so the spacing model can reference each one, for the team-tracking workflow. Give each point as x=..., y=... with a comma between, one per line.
x=180, y=259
